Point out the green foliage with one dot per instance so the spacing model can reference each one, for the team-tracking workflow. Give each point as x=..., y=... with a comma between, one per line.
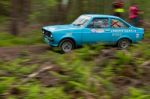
x=79, y=65
x=27, y=39
x=135, y=93
x=89, y=52
x=147, y=34
x=123, y=58
x=41, y=10
x=55, y=93
x=16, y=67
x=35, y=91
x=5, y=7
x=107, y=71
x=5, y=83
x=81, y=73
x=142, y=50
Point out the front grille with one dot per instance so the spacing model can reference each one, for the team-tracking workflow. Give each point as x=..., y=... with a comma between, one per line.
x=46, y=33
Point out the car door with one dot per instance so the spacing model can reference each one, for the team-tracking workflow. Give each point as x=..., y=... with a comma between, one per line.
x=98, y=30
x=120, y=29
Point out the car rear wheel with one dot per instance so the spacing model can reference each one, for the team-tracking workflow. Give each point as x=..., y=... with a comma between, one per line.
x=66, y=45
x=123, y=43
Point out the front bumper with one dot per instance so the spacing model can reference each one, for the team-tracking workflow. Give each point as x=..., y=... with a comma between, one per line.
x=50, y=41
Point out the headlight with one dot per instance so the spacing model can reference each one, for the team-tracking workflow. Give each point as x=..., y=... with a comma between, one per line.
x=47, y=33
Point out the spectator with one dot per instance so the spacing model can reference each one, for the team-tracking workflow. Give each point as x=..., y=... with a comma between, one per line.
x=134, y=14
x=118, y=8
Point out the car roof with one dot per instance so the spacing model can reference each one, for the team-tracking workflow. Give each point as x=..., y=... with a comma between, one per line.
x=100, y=15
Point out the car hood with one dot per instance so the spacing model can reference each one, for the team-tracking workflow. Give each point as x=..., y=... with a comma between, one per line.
x=60, y=27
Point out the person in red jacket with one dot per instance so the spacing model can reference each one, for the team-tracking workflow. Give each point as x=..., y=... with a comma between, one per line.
x=134, y=14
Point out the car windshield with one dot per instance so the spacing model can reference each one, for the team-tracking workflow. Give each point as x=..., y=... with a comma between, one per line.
x=81, y=21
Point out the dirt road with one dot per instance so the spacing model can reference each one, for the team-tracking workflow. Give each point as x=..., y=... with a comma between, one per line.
x=8, y=53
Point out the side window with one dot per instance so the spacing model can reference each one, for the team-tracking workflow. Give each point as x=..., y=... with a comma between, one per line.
x=118, y=24
x=99, y=23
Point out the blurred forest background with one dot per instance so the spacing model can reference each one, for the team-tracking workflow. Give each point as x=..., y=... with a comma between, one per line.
x=20, y=13
x=29, y=69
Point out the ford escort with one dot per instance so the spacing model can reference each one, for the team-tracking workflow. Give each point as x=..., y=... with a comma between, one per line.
x=90, y=29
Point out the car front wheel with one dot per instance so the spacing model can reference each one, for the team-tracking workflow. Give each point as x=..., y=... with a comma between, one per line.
x=123, y=43
x=66, y=46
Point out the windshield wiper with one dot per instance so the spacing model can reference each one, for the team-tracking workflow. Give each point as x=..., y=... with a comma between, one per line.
x=77, y=24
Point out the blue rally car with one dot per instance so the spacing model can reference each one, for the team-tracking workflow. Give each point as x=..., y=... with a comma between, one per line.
x=92, y=28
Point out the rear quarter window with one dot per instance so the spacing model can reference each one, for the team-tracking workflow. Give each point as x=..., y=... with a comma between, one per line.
x=116, y=23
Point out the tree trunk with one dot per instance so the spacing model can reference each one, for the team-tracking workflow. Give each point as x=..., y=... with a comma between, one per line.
x=25, y=11
x=14, y=28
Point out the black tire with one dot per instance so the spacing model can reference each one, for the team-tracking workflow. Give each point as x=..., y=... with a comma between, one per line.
x=123, y=43
x=66, y=45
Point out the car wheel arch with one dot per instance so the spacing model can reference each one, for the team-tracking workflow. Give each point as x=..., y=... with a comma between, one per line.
x=124, y=38
x=68, y=38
